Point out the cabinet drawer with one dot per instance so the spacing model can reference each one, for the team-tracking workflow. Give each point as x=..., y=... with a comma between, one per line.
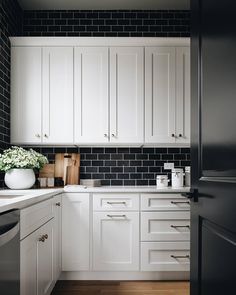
x=116, y=202
x=163, y=202
x=34, y=216
x=163, y=256
x=165, y=226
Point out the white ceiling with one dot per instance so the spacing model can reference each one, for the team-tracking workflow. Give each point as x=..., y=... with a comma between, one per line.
x=104, y=4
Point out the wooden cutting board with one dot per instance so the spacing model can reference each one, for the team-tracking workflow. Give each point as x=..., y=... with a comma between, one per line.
x=72, y=174
x=63, y=169
x=47, y=171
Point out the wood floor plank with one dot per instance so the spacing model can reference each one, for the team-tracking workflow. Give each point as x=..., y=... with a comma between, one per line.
x=120, y=288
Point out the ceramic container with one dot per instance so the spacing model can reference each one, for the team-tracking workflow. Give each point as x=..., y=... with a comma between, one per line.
x=20, y=178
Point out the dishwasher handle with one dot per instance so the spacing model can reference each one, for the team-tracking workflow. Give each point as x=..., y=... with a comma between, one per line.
x=7, y=236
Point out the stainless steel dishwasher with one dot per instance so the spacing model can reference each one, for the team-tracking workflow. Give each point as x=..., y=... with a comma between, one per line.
x=10, y=253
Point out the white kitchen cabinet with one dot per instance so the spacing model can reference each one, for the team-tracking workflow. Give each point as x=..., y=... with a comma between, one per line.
x=116, y=241
x=26, y=92
x=58, y=97
x=165, y=256
x=57, y=213
x=91, y=95
x=167, y=95
x=36, y=262
x=160, y=94
x=126, y=94
x=165, y=226
x=42, y=95
x=183, y=94
x=75, y=232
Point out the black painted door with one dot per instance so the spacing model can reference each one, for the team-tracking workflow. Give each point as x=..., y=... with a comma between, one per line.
x=213, y=208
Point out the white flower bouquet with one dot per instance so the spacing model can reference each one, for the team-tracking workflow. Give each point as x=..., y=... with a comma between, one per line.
x=17, y=157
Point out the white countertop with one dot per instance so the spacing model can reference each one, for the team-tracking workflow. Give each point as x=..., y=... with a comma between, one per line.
x=18, y=199
x=124, y=189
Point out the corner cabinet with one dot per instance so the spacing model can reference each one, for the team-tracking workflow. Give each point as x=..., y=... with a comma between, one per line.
x=42, y=95
x=167, y=95
x=100, y=91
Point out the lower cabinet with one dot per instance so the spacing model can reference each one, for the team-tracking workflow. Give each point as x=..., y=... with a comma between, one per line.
x=75, y=232
x=165, y=256
x=57, y=211
x=116, y=241
x=37, y=261
x=40, y=250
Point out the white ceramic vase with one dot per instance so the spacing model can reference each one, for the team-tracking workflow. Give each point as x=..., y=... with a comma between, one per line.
x=20, y=178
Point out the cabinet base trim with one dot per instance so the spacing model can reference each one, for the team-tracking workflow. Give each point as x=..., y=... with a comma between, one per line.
x=124, y=275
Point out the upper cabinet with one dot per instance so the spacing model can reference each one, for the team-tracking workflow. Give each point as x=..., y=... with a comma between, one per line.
x=160, y=94
x=58, y=95
x=183, y=95
x=42, y=95
x=91, y=95
x=167, y=99
x=100, y=91
x=126, y=94
x=26, y=93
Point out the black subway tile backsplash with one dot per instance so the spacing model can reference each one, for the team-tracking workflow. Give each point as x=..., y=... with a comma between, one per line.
x=116, y=166
x=107, y=23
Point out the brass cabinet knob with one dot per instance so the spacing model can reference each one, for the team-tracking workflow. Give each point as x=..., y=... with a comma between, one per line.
x=180, y=135
x=58, y=204
x=46, y=236
x=173, y=135
x=113, y=135
x=105, y=135
x=45, y=135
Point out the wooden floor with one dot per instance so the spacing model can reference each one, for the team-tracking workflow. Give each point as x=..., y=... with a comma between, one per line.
x=120, y=288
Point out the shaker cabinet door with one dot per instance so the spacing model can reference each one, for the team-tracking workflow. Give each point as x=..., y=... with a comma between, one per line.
x=116, y=241
x=91, y=95
x=58, y=98
x=26, y=92
x=183, y=94
x=75, y=232
x=126, y=94
x=160, y=95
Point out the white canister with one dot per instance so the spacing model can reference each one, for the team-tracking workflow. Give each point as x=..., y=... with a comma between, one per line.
x=177, y=177
x=188, y=176
x=162, y=181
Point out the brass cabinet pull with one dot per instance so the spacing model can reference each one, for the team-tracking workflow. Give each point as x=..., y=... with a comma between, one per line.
x=180, y=256
x=176, y=226
x=116, y=203
x=180, y=202
x=58, y=204
x=116, y=216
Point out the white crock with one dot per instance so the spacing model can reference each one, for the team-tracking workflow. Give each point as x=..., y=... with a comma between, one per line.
x=20, y=178
x=162, y=181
